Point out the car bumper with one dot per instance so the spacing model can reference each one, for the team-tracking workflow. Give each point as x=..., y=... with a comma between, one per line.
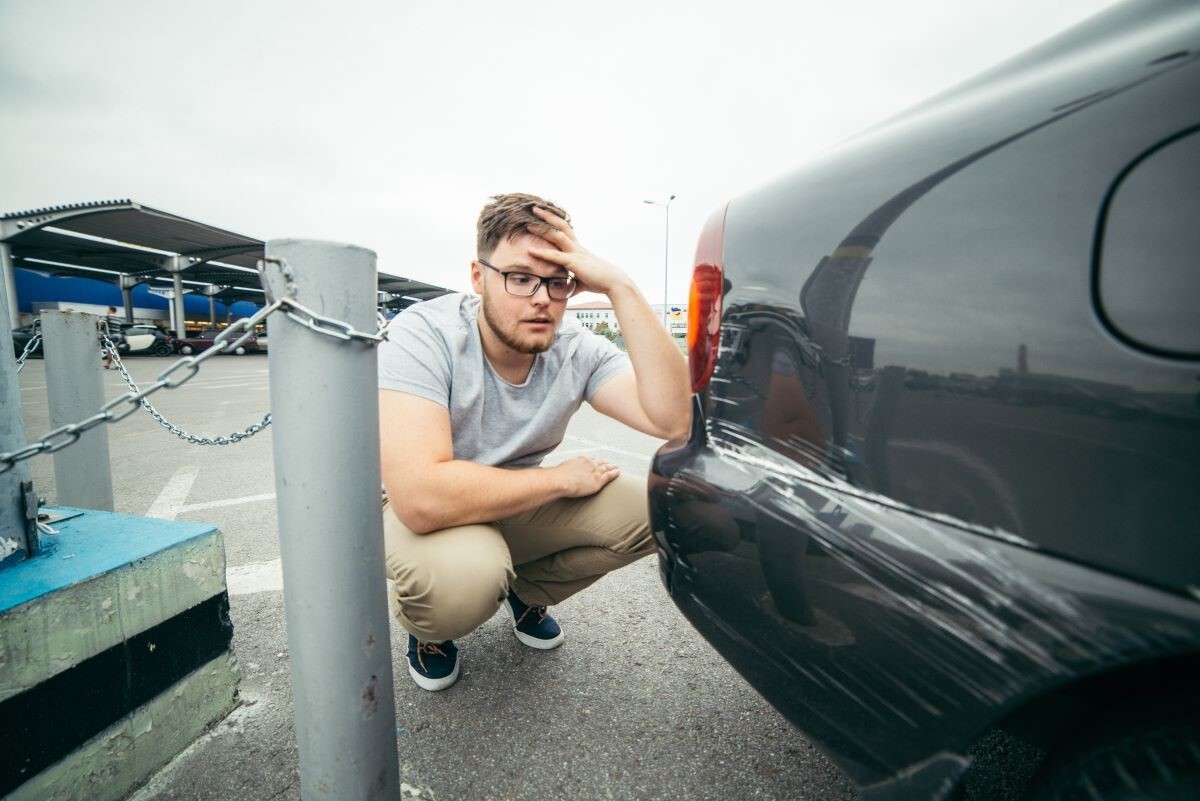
x=891, y=638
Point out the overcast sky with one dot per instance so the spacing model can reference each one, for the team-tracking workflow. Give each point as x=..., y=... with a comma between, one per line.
x=388, y=125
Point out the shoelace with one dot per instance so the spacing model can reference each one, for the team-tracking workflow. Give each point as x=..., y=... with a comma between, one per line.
x=428, y=648
x=541, y=613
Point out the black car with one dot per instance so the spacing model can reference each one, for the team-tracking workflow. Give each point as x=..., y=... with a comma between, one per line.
x=939, y=500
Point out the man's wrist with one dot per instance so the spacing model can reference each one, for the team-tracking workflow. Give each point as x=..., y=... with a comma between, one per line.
x=556, y=485
x=625, y=288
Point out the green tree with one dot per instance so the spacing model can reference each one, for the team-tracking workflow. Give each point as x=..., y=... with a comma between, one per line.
x=603, y=330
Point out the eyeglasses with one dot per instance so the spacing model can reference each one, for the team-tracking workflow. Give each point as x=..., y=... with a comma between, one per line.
x=525, y=285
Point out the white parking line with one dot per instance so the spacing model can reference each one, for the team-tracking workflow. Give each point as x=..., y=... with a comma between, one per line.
x=252, y=385
x=169, y=502
x=257, y=577
x=195, y=507
x=595, y=445
x=596, y=451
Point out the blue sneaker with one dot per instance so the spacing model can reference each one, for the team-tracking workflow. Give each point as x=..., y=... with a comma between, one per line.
x=533, y=626
x=432, y=665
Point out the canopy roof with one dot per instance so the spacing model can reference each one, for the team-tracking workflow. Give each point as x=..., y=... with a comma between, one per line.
x=110, y=239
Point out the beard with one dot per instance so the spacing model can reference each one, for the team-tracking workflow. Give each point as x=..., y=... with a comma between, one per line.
x=509, y=338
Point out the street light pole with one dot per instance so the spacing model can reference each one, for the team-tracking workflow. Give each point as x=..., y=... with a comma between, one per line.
x=666, y=254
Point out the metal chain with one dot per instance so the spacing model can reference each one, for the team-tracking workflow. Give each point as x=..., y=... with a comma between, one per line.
x=326, y=325
x=305, y=316
x=121, y=407
x=30, y=346
x=236, y=436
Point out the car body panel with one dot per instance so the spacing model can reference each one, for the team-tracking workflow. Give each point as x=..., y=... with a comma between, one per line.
x=139, y=342
x=144, y=339
x=904, y=282
x=928, y=483
x=885, y=632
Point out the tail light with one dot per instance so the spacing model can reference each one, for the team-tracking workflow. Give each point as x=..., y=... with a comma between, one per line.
x=704, y=301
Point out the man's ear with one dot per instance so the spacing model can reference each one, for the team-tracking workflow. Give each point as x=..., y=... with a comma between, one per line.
x=477, y=277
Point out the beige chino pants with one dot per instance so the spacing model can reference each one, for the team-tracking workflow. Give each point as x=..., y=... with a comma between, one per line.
x=450, y=581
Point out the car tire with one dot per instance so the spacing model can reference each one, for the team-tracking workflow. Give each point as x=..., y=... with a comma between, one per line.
x=240, y=350
x=161, y=349
x=1159, y=763
x=186, y=350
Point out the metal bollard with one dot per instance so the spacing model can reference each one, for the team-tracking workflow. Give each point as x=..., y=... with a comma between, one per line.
x=75, y=386
x=8, y=284
x=14, y=532
x=324, y=404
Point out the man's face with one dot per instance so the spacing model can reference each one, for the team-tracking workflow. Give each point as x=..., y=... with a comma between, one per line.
x=526, y=325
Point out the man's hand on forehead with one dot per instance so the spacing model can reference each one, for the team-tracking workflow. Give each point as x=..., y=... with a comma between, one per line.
x=592, y=273
x=537, y=242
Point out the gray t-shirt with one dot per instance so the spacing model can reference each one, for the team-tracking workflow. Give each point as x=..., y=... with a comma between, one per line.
x=433, y=351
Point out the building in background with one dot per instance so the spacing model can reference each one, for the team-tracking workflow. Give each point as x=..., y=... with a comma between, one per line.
x=592, y=314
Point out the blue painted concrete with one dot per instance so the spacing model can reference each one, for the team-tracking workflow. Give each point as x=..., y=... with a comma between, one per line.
x=90, y=545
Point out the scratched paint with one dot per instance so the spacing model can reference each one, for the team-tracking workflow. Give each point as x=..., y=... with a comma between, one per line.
x=976, y=612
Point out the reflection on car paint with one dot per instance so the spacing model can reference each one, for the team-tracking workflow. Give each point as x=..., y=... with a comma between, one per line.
x=878, y=545
x=983, y=622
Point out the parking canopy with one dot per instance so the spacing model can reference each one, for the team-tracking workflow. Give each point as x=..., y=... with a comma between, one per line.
x=127, y=243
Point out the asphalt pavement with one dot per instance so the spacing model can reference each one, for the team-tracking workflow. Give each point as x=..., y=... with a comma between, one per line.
x=634, y=705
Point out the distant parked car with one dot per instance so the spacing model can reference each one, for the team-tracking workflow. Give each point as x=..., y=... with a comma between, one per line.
x=938, y=502
x=204, y=340
x=144, y=339
x=130, y=340
x=21, y=337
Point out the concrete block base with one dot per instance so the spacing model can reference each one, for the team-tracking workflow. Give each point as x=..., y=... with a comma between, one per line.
x=114, y=653
x=125, y=755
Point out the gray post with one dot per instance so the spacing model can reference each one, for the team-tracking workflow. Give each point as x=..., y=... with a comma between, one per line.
x=8, y=285
x=75, y=387
x=324, y=407
x=177, y=304
x=666, y=257
x=12, y=436
x=127, y=283
x=666, y=266
x=212, y=290
x=127, y=304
